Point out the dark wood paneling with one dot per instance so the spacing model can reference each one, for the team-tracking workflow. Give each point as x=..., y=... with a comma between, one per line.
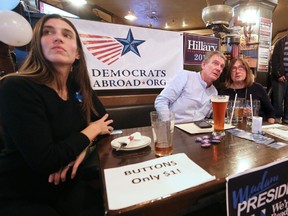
x=127, y=97
x=126, y=100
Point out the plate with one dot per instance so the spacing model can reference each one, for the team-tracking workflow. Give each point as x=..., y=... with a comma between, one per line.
x=133, y=145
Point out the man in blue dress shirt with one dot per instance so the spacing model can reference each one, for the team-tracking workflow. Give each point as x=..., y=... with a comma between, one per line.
x=188, y=93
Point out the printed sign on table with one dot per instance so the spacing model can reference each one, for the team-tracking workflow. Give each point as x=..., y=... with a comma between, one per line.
x=153, y=179
x=261, y=191
x=196, y=46
x=277, y=130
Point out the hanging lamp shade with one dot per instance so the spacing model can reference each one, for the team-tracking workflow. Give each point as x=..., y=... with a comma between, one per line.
x=217, y=14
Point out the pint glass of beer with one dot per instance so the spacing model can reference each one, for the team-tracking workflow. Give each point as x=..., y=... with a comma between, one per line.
x=219, y=105
x=162, y=127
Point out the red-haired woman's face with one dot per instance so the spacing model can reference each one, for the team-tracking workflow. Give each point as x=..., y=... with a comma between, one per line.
x=238, y=72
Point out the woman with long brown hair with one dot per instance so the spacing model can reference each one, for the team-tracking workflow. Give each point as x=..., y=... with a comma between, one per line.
x=50, y=117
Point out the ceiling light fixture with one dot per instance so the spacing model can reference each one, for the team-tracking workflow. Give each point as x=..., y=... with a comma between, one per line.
x=78, y=2
x=166, y=26
x=184, y=24
x=249, y=14
x=130, y=16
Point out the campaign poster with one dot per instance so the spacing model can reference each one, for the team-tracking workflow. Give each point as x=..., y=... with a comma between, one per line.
x=129, y=57
x=262, y=191
x=196, y=46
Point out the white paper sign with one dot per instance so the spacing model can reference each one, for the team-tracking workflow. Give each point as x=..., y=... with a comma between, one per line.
x=153, y=179
x=277, y=130
x=129, y=57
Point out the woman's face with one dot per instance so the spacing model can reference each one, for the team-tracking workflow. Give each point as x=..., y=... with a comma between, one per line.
x=58, y=42
x=238, y=72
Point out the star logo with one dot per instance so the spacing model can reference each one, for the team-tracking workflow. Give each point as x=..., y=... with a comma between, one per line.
x=108, y=49
x=130, y=44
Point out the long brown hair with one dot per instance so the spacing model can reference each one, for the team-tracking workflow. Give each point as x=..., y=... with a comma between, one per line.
x=249, y=75
x=37, y=68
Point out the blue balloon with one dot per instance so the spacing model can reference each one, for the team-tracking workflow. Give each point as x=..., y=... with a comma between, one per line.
x=8, y=4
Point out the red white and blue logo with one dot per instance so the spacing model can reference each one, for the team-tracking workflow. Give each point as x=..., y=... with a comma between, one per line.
x=108, y=49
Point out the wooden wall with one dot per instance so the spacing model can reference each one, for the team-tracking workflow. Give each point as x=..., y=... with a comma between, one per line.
x=118, y=98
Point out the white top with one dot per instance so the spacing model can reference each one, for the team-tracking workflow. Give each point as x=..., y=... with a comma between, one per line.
x=187, y=96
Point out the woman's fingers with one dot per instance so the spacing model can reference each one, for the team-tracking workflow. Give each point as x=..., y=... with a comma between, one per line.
x=57, y=177
x=63, y=173
x=60, y=176
x=77, y=163
x=51, y=178
x=74, y=169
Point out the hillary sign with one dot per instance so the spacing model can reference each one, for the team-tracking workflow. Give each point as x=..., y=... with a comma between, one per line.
x=128, y=57
x=195, y=47
x=259, y=192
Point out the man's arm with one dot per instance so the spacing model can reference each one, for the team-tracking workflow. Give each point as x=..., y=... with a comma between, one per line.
x=171, y=92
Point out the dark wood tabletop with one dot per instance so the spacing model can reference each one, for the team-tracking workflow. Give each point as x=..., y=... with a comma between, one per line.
x=231, y=156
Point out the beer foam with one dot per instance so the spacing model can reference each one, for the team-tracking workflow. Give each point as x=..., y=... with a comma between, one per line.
x=222, y=98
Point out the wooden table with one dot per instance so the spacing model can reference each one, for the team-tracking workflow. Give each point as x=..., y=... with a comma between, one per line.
x=231, y=156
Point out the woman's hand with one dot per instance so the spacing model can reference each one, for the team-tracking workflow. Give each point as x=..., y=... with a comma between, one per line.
x=78, y=161
x=99, y=127
x=282, y=79
x=60, y=176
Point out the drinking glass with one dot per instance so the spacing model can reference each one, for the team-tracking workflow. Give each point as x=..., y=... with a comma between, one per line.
x=162, y=127
x=219, y=105
x=238, y=111
x=256, y=108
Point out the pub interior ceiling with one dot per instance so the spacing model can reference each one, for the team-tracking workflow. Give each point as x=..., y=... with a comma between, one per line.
x=180, y=15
